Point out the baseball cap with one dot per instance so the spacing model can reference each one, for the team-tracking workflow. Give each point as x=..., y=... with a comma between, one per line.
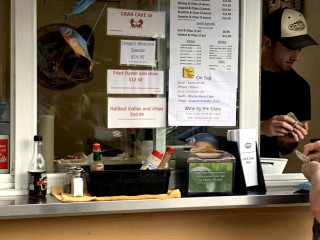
x=289, y=27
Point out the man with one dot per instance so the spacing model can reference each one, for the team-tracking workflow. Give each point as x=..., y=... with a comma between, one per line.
x=311, y=170
x=282, y=89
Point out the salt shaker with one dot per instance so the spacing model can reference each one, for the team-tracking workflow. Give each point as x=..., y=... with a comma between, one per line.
x=77, y=183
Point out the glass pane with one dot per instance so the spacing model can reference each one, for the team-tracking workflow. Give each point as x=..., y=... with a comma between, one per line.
x=73, y=100
x=4, y=85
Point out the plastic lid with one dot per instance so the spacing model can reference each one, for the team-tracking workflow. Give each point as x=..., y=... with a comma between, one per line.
x=96, y=146
x=157, y=154
x=37, y=138
x=169, y=149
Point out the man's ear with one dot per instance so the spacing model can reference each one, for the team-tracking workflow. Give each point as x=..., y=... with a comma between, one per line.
x=267, y=42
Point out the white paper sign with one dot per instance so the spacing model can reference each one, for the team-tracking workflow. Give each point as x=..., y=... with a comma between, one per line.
x=135, y=82
x=135, y=52
x=207, y=99
x=204, y=34
x=136, y=112
x=136, y=23
x=246, y=139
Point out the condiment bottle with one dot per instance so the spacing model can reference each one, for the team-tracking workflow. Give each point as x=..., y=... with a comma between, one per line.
x=165, y=162
x=4, y=154
x=37, y=172
x=68, y=179
x=77, y=183
x=153, y=160
x=97, y=164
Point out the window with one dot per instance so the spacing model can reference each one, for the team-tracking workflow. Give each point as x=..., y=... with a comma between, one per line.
x=5, y=94
x=32, y=99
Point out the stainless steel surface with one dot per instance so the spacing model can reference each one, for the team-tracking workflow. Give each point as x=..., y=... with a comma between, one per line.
x=15, y=207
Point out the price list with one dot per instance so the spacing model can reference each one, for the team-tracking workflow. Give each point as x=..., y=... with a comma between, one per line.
x=226, y=10
x=204, y=34
x=222, y=55
x=190, y=54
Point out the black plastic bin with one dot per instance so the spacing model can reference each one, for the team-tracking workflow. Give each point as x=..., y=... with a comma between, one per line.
x=127, y=180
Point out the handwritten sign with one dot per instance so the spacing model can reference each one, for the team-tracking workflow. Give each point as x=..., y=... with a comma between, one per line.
x=138, y=23
x=135, y=82
x=136, y=112
x=138, y=53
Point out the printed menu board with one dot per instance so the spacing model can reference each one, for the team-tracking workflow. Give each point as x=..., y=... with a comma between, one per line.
x=203, y=75
x=204, y=34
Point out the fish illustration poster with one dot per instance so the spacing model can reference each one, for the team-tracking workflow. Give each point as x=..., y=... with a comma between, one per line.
x=136, y=112
x=123, y=22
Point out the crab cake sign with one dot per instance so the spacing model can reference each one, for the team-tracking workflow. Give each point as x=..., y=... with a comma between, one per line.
x=124, y=22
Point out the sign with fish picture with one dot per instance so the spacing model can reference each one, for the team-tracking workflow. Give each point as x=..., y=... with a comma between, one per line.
x=136, y=112
x=135, y=52
x=123, y=22
x=134, y=82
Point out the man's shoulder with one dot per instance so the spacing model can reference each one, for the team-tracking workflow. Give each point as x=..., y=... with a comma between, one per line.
x=297, y=78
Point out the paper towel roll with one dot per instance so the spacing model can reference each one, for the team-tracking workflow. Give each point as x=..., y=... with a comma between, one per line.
x=46, y=130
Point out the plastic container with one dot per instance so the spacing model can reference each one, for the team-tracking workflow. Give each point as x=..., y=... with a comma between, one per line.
x=152, y=161
x=126, y=180
x=273, y=165
x=208, y=175
x=165, y=162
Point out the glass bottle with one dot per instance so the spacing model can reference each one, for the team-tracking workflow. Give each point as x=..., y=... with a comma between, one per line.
x=165, y=162
x=68, y=179
x=37, y=172
x=97, y=164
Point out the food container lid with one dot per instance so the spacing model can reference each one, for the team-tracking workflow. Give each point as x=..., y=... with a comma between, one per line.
x=157, y=154
x=169, y=149
x=96, y=146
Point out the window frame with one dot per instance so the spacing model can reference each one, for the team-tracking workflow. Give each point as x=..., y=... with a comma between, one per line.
x=24, y=86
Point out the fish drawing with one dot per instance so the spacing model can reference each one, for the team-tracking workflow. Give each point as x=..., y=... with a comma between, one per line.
x=82, y=5
x=77, y=43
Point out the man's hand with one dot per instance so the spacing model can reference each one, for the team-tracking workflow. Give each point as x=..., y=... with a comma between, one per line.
x=278, y=126
x=312, y=150
x=282, y=127
x=296, y=135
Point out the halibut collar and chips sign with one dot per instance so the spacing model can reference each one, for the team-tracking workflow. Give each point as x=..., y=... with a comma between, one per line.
x=136, y=112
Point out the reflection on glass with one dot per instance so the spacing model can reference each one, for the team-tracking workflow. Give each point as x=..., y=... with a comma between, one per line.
x=73, y=89
x=4, y=84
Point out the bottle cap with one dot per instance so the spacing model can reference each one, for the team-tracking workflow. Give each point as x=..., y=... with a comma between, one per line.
x=96, y=146
x=37, y=138
x=157, y=154
x=169, y=149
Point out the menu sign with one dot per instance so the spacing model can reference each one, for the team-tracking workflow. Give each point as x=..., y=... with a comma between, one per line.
x=204, y=34
x=134, y=52
x=138, y=23
x=135, y=81
x=136, y=112
x=202, y=98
